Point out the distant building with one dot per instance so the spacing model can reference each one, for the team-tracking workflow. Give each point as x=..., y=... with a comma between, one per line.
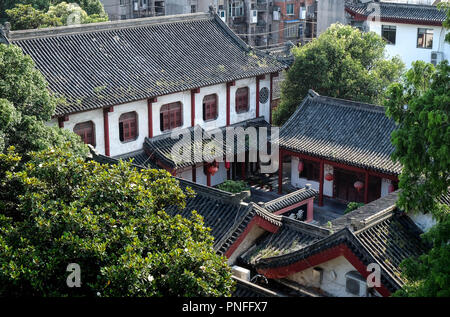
x=132, y=9
x=412, y=31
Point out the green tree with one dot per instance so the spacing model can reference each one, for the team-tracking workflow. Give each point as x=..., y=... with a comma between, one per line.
x=26, y=17
x=420, y=104
x=26, y=105
x=342, y=62
x=56, y=14
x=110, y=220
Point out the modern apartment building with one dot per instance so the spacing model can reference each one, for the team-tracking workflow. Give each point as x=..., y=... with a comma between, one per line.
x=131, y=9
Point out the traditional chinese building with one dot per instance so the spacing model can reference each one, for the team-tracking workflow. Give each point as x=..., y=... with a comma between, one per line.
x=129, y=84
x=342, y=148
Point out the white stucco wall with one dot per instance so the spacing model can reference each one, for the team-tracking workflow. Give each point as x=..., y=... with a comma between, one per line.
x=334, y=277
x=116, y=146
x=140, y=107
x=406, y=42
x=297, y=181
x=423, y=221
x=96, y=116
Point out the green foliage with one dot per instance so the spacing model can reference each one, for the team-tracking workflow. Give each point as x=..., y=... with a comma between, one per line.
x=56, y=13
x=26, y=105
x=111, y=220
x=352, y=206
x=420, y=104
x=342, y=62
x=429, y=275
x=445, y=6
x=233, y=186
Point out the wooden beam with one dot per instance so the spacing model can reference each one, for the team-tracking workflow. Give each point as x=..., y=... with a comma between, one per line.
x=280, y=172
x=321, y=183
x=150, y=116
x=106, y=111
x=366, y=188
x=229, y=84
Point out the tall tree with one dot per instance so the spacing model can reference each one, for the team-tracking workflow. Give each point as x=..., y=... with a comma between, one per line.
x=420, y=104
x=342, y=62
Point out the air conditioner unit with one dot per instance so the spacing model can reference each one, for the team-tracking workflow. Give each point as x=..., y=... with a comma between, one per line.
x=436, y=58
x=253, y=16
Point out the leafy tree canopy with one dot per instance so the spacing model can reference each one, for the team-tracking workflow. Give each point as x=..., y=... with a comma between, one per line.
x=420, y=104
x=342, y=62
x=27, y=16
x=110, y=220
x=26, y=105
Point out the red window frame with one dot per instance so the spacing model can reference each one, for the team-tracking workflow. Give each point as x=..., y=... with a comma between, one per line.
x=210, y=107
x=171, y=116
x=242, y=100
x=128, y=130
x=86, y=131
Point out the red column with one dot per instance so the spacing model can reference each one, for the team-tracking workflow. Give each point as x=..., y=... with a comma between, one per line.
x=150, y=116
x=193, y=92
x=61, y=120
x=310, y=210
x=366, y=188
x=229, y=84
x=194, y=174
x=243, y=170
x=280, y=172
x=321, y=184
x=106, y=128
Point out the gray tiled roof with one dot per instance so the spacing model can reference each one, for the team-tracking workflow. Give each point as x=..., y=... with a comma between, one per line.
x=399, y=12
x=290, y=199
x=392, y=240
x=138, y=158
x=248, y=289
x=293, y=235
x=378, y=233
x=160, y=148
x=343, y=131
x=105, y=64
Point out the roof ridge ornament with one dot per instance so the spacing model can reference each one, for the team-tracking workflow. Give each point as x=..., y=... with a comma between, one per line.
x=312, y=93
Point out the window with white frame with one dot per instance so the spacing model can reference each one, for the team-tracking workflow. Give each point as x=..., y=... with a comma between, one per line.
x=236, y=8
x=424, y=38
x=290, y=9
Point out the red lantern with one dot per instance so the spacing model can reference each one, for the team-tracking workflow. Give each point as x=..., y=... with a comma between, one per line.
x=358, y=185
x=391, y=188
x=300, y=166
x=227, y=165
x=212, y=169
x=329, y=177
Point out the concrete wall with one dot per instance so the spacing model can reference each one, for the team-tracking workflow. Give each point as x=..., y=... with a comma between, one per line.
x=406, y=42
x=333, y=280
x=330, y=12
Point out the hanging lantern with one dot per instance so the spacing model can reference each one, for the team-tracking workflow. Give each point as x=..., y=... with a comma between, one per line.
x=358, y=185
x=329, y=177
x=391, y=188
x=212, y=169
x=300, y=166
x=227, y=165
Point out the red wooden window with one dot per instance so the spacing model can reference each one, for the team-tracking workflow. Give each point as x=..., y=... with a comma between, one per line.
x=210, y=107
x=128, y=127
x=86, y=131
x=242, y=100
x=171, y=116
